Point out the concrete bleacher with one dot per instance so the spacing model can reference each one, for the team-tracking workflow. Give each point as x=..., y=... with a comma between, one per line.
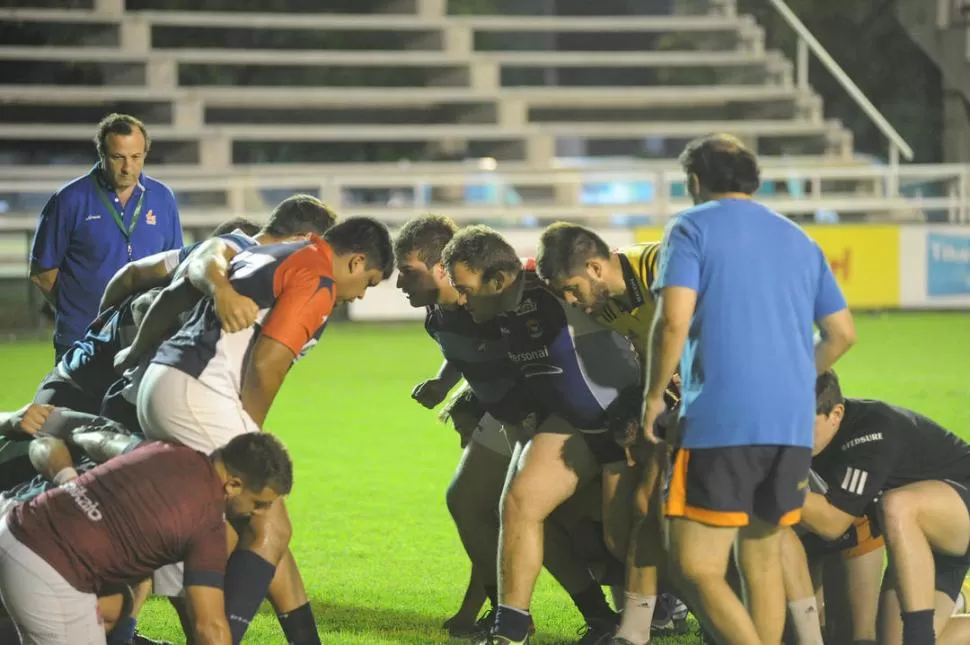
x=431, y=86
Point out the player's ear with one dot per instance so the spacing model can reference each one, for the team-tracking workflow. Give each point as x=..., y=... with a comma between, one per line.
x=594, y=268
x=439, y=272
x=693, y=185
x=233, y=486
x=356, y=263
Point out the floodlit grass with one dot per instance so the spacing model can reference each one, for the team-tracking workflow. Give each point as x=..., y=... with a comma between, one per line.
x=373, y=538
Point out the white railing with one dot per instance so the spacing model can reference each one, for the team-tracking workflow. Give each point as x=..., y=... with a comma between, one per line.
x=523, y=197
x=806, y=43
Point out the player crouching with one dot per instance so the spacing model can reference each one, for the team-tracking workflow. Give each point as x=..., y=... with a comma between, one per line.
x=864, y=449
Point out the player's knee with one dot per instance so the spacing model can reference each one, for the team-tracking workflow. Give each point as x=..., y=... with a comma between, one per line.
x=692, y=571
x=617, y=540
x=898, y=509
x=456, y=498
x=517, y=507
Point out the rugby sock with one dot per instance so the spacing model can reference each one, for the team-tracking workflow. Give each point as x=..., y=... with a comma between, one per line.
x=492, y=592
x=918, y=627
x=637, y=618
x=805, y=618
x=299, y=626
x=512, y=623
x=123, y=633
x=247, y=583
x=591, y=603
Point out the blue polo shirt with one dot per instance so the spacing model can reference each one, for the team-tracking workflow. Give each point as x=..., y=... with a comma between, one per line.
x=78, y=235
x=748, y=368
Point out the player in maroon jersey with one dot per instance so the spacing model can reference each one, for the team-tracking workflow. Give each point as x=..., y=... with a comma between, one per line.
x=157, y=505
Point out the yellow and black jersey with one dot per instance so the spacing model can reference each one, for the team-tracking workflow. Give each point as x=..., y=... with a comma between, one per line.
x=632, y=313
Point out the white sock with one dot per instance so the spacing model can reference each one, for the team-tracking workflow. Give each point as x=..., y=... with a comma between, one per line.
x=637, y=618
x=65, y=476
x=808, y=627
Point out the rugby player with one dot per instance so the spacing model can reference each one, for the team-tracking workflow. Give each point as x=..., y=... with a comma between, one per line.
x=205, y=271
x=573, y=369
x=81, y=378
x=205, y=386
x=614, y=287
x=479, y=353
x=920, y=472
x=739, y=288
x=157, y=505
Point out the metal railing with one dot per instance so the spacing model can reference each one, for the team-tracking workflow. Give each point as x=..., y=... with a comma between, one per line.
x=807, y=43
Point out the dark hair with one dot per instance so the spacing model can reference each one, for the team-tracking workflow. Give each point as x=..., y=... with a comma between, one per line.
x=259, y=459
x=482, y=250
x=299, y=215
x=828, y=393
x=722, y=164
x=244, y=224
x=364, y=235
x=118, y=124
x=427, y=236
x=565, y=248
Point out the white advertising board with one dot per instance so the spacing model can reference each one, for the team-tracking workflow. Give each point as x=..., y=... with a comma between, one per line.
x=386, y=303
x=934, y=267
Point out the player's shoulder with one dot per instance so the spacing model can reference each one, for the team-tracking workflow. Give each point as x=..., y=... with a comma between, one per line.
x=76, y=189
x=867, y=424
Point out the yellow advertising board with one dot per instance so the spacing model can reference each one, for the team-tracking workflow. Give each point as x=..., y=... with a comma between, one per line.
x=863, y=257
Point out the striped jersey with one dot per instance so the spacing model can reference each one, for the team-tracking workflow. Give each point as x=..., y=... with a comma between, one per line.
x=632, y=313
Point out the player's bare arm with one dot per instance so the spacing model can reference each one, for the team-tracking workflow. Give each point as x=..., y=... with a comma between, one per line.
x=207, y=611
x=268, y=364
x=822, y=518
x=27, y=420
x=432, y=392
x=668, y=335
x=208, y=271
x=159, y=322
x=135, y=277
x=45, y=280
x=838, y=335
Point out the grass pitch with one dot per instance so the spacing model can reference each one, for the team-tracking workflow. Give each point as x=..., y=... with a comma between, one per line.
x=375, y=543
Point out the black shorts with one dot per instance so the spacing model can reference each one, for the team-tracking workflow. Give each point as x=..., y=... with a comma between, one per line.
x=604, y=448
x=59, y=392
x=727, y=486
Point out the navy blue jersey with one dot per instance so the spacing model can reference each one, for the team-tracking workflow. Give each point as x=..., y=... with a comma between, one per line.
x=480, y=353
x=572, y=366
x=89, y=363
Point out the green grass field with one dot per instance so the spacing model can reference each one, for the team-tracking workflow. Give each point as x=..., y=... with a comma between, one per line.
x=379, y=554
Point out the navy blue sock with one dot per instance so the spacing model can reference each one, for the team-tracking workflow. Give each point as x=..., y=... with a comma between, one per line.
x=247, y=583
x=512, y=623
x=299, y=626
x=491, y=591
x=123, y=632
x=918, y=627
x=591, y=603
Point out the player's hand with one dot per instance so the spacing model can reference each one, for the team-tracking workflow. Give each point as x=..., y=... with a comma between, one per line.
x=652, y=409
x=236, y=312
x=33, y=418
x=123, y=361
x=430, y=393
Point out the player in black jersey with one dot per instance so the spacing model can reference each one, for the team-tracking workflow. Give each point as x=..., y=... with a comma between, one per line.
x=921, y=474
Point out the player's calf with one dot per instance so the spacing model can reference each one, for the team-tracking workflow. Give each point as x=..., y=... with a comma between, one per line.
x=922, y=522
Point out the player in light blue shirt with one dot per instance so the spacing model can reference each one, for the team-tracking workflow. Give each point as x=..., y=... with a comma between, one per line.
x=740, y=289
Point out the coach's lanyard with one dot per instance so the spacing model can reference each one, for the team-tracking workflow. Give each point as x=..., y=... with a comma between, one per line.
x=119, y=217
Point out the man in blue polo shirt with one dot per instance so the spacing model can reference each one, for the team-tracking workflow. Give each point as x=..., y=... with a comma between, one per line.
x=94, y=225
x=739, y=289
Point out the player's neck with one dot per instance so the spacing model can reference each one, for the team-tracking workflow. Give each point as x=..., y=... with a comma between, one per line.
x=718, y=196
x=615, y=280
